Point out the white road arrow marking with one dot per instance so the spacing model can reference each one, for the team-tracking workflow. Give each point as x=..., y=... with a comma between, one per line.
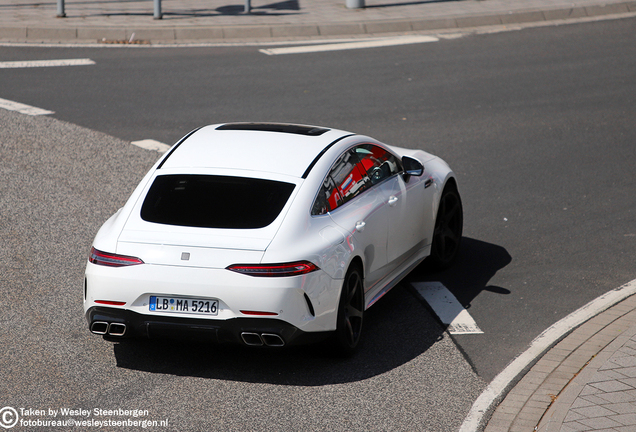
x=46, y=63
x=150, y=144
x=447, y=308
x=375, y=43
x=22, y=108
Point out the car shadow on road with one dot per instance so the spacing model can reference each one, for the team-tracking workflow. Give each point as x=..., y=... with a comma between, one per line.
x=477, y=263
x=398, y=328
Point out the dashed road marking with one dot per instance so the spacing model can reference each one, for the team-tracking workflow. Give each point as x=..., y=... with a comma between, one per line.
x=375, y=43
x=46, y=63
x=22, y=108
x=150, y=144
x=448, y=309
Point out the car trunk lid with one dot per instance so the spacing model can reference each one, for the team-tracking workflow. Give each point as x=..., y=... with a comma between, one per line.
x=198, y=248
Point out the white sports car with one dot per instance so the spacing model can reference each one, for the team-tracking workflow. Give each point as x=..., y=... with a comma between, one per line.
x=269, y=235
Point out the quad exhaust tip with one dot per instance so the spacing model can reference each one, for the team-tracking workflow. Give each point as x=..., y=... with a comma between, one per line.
x=272, y=340
x=249, y=338
x=99, y=327
x=268, y=339
x=110, y=329
x=117, y=329
x=252, y=339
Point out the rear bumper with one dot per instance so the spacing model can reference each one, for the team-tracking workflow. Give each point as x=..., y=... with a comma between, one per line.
x=308, y=302
x=117, y=323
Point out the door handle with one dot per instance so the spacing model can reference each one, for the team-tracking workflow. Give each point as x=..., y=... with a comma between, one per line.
x=393, y=200
x=360, y=226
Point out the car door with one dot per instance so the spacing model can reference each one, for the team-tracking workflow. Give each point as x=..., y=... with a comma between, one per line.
x=408, y=201
x=357, y=208
x=405, y=201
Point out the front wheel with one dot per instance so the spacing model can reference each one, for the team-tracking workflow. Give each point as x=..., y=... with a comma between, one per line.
x=449, y=224
x=350, y=313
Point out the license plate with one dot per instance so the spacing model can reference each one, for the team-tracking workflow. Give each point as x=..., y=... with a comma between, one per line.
x=184, y=305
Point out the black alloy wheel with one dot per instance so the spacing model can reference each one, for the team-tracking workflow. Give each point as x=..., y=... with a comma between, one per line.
x=449, y=224
x=350, y=313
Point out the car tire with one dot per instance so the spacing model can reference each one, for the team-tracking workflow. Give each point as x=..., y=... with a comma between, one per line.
x=350, y=313
x=447, y=234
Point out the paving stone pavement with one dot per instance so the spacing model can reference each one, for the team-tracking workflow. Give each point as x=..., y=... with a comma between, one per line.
x=586, y=382
x=604, y=397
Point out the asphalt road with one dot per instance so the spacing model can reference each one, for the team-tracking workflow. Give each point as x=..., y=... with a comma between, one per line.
x=538, y=124
x=65, y=180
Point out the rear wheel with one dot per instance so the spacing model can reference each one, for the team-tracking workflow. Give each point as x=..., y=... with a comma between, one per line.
x=350, y=313
x=449, y=224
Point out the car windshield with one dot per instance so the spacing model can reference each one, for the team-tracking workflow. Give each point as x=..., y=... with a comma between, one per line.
x=210, y=201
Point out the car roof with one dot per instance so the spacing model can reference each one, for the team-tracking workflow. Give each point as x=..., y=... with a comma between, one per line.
x=288, y=149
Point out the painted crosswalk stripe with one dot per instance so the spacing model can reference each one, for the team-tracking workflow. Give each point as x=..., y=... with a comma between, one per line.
x=150, y=144
x=375, y=43
x=46, y=63
x=448, y=309
x=22, y=108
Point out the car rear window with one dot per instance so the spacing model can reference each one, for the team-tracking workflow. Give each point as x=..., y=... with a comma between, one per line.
x=210, y=201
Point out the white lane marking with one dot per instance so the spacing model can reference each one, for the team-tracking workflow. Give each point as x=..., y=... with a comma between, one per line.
x=22, y=108
x=150, y=144
x=46, y=63
x=538, y=346
x=404, y=40
x=447, y=308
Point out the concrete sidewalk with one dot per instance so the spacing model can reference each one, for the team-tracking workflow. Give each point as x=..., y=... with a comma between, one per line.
x=184, y=21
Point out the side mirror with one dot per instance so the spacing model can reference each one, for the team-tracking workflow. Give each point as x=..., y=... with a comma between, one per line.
x=412, y=166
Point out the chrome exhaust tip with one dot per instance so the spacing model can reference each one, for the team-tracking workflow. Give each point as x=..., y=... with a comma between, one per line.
x=272, y=340
x=116, y=329
x=252, y=339
x=99, y=327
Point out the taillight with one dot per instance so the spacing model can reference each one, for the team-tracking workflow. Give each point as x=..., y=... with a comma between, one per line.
x=112, y=260
x=258, y=313
x=111, y=302
x=274, y=270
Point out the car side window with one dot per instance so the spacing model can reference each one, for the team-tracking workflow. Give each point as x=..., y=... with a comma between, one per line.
x=346, y=180
x=321, y=205
x=379, y=163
